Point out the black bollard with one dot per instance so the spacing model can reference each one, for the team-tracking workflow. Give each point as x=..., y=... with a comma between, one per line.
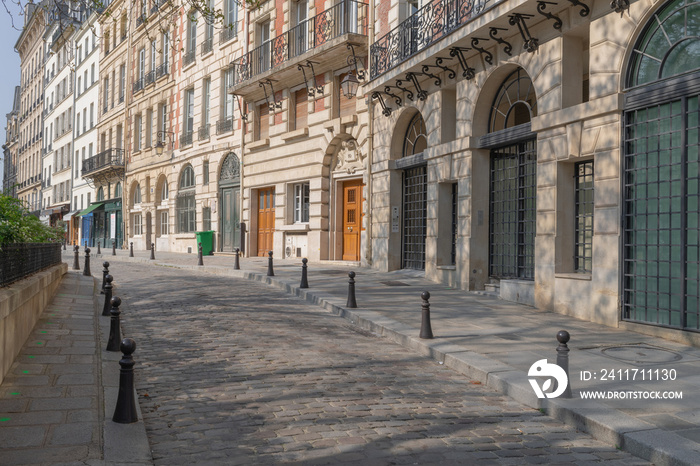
x=76, y=258
x=114, y=248
x=352, y=303
x=114, y=331
x=108, y=294
x=131, y=249
x=563, y=338
x=304, y=276
x=236, y=263
x=199, y=255
x=125, y=411
x=270, y=270
x=105, y=272
x=426, y=331
x=86, y=270
x=153, y=252
x=98, y=248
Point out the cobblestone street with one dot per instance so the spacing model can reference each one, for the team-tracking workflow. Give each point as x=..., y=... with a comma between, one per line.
x=234, y=372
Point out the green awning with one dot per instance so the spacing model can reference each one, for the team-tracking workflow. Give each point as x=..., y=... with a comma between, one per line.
x=92, y=207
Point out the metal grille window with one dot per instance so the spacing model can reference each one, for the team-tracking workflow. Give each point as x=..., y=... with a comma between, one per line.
x=301, y=203
x=186, y=212
x=453, y=252
x=512, y=211
x=415, y=194
x=583, y=214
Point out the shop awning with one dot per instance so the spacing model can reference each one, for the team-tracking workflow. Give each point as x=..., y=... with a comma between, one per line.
x=69, y=215
x=92, y=207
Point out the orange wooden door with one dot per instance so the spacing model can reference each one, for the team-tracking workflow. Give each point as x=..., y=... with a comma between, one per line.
x=266, y=220
x=352, y=219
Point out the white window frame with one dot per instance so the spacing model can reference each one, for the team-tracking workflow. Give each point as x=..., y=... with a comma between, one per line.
x=301, y=202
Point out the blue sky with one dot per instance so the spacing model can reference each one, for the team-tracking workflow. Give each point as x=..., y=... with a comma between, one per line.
x=9, y=60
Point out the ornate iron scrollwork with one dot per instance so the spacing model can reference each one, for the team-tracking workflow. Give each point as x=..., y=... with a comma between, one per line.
x=409, y=93
x=468, y=72
x=485, y=54
x=438, y=64
x=585, y=11
x=507, y=48
x=620, y=5
x=541, y=6
x=422, y=95
x=386, y=111
x=316, y=89
x=244, y=117
x=271, y=105
x=397, y=99
x=529, y=43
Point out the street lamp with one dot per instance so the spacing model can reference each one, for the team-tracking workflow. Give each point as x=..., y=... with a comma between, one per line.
x=349, y=85
x=160, y=145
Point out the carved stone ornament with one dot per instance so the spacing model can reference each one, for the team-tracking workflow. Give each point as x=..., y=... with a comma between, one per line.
x=350, y=158
x=230, y=170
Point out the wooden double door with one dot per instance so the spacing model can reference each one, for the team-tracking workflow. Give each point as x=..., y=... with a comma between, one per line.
x=266, y=220
x=352, y=219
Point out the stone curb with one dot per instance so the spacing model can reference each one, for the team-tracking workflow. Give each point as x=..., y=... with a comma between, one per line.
x=607, y=424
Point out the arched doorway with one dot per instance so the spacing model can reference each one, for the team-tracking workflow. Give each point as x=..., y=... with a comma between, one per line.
x=230, y=194
x=661, y=209
x=513, y=179
x=414, y=195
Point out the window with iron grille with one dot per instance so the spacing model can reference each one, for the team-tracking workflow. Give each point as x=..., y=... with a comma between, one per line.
x=583, y=214
x=186, y=211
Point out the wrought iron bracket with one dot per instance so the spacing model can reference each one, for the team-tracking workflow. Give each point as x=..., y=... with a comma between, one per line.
x=244, y=117
x=507, y=48
x=467, y=71
x=352, y=60
x=425, y=72
x=620, y=6
x=541, y=6
x=397, y=99
x=386, y=111
x=271, y=105
x=316, y=89
x=529, y=43
x=485, y=54
x=585, y=11
x=409, y=93
x=438, y=64
x=422, y=95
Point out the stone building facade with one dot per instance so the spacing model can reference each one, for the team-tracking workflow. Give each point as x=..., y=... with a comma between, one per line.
x=9, y=174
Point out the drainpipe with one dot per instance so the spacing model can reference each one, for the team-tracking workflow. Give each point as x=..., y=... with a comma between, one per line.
x=370, y=142
x=241, y=109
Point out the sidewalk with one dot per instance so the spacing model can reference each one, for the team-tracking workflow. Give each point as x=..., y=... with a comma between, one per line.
x=496, y=342
x=57, y=401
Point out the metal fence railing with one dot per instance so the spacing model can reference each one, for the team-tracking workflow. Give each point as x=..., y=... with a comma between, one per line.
x=19, y=260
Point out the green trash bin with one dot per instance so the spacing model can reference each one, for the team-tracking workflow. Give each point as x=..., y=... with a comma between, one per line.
x=207, y=240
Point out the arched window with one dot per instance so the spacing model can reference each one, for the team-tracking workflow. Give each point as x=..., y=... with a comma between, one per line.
x=416, y=138
x=515, y=103
x=669, y=45
x=164, y=191
x=118, y=190
x=186, y=212
x=137, y=194
x=100, y=194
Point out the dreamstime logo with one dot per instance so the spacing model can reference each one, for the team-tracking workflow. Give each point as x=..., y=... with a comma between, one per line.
x=542, y=368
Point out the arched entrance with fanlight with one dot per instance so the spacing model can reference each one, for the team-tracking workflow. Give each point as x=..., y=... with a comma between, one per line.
x=661, y=171
x=512, y=179
x=230, y=196
x=414, y=194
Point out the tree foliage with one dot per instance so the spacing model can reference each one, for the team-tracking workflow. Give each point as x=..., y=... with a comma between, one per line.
x=17, y=225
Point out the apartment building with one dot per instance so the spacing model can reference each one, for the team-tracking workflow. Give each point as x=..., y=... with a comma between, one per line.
x=86, y=40
x=58, y=121
x=151, y=99
x=9, y=174
x=306, y=145
x=29, y=45
x=184, y=174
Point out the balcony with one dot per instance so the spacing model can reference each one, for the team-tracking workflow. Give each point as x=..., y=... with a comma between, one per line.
x=186, y=139
x=203, y=132
x=224, y=126
x=227, y=34
x=150, y=77
x=140, y=20
x=138, y=85
x=428, y=25
x=106, y=165
x=162, y=70
x=188, y=58
x=320, y=38
x=208, y=45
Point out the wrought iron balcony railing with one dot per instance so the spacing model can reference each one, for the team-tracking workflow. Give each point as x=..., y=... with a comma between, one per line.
x=227, y=34
x=140, y=20
x=208, y=45
x=431, y=23
x=138, y=85
x=203, y=132
x=224, y=126
x=186, y=138
x=105, y=159
x=150, y=77
x=162, y=70
x=348, y=16
x=188, y=58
